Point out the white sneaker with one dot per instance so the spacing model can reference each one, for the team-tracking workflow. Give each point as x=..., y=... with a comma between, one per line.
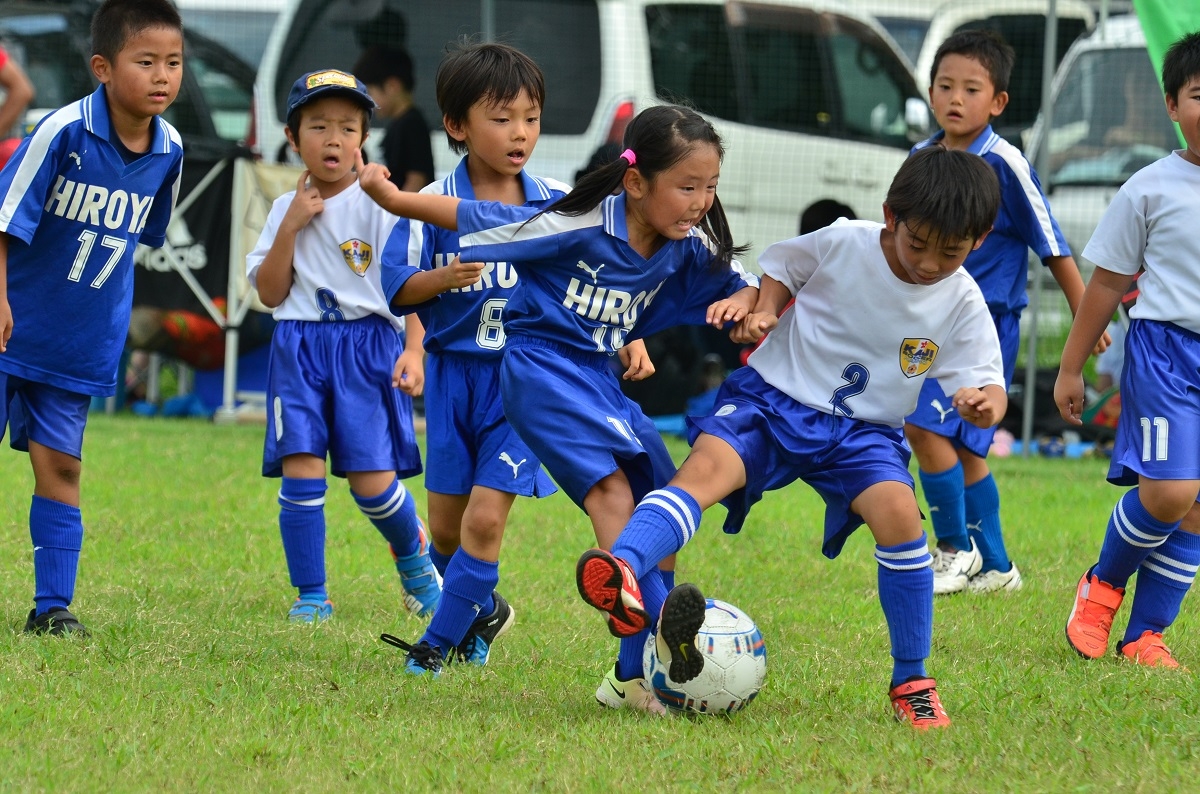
x=634, y=693
x=994, y=581
x=953, y=569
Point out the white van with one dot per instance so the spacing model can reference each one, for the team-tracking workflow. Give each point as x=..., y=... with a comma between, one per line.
x=920, y=28
x=240, y=26
x=1109, y=120
x=813, y=102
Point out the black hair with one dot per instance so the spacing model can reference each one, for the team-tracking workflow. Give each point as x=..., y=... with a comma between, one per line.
x=491, y=73
x=823, y=213
x=660, y=136
x=985, y=46
x=1181, y=63
x=377, y=64
x=116, y=21
x=954, y=193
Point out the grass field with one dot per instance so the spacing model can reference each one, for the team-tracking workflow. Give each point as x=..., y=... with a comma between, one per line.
x=194, y=680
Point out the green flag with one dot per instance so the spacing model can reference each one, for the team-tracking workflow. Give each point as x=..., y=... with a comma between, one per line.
x=1163, y=23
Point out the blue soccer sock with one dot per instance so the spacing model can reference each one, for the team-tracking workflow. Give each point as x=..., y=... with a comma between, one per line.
x=629, y=658
x=1162, y=581
x=982, y=510
x=944, y=495
x=668, y=578
x=440, y=561
x=56, y=530
x=1131, y=536
x=661, y=524
x=906, y=596
x=302, y=529
x=466, y=596
x=394, y=514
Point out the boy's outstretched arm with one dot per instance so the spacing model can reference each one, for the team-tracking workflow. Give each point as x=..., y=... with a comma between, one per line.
x=6, y=318
x=982, y=407
x=772, y=297
x=428, y=207
x=1066, y=272
x=1100, y=301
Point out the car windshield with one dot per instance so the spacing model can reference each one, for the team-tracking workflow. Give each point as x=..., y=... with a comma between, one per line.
x=908, y=32
x=244, y=32
x=1109, y=119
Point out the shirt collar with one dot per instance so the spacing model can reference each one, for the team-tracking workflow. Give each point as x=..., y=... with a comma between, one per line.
x=459, y=184
x=983, y=143
x=98, y=122
x=613, y=214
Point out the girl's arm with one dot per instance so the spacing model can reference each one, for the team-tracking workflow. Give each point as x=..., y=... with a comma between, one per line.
x=430, y=208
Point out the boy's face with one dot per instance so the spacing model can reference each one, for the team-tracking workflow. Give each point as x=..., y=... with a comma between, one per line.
x=964, y=99
x=1184, y=109
x=330, y=130
x=500, y=138
x=143, y=79
x=917, y=255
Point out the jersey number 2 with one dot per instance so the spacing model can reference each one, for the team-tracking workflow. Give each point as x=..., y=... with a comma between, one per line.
x=856, y=377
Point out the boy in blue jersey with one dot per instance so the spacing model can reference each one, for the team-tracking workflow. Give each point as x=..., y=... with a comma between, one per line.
x=340, y=376
x=94, y=179
x=968, y=88
x=1153, y=532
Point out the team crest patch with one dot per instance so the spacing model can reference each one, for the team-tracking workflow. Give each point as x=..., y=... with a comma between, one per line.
x=357, y=255
x=916, y=356
x=329, y=77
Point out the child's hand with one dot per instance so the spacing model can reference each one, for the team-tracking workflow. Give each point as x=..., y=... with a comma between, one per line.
x=305, y=204
x=409, y=373
x=375, y=178
x=1068, y=396
x=6, y=323
x=975, y=406
x=753, y=327
x=459, y=274
x=1104, y=343
x=636, y=360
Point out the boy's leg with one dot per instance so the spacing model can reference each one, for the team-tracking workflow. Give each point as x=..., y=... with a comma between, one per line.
x=388, y=505
x=1163, y=580
x=302, y=530
x=445, y=525
x=983, y=522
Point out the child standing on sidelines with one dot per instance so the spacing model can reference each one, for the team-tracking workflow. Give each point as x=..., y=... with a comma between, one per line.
x=824, y=400
x=639, y=245
x=340, y=377
x=968, y=88
x=93, y=180
x=1154, y=530
x=491, y=97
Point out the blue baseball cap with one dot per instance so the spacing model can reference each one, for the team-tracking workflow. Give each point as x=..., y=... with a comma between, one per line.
x=328, y=82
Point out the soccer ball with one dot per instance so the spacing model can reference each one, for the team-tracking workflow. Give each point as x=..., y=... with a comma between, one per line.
x=735, y=665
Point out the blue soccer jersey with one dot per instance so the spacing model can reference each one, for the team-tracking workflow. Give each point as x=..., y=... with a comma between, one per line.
x=74, y=212
x=1000, y=266
x=583, y=285
x=467, y=320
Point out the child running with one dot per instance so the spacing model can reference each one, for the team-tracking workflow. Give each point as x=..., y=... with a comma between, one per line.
x=639, y=245
x=94, y=179
x=339, y=378
x=491, y=98
x=1154, y=530
x=824, y=400
x=968, y=88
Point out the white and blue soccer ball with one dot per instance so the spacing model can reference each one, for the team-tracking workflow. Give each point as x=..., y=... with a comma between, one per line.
x=735, y=665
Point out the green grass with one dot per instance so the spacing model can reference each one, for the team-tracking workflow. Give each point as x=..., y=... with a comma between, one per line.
x=194, y=680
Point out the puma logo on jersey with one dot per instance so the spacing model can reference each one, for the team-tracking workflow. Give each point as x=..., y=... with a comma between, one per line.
x=504, y=456
x=976, y=527
x=594, y=273
x=96, y=205
x=942, y=412
x=78, y=160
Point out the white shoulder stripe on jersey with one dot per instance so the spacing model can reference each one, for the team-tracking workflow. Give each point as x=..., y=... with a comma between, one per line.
x=35, y=155
x=1013, y=158
x=546, y=225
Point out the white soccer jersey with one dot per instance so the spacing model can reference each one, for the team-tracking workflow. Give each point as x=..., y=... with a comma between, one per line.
x=1151, y=223
x=859, y=342
x=336, y=262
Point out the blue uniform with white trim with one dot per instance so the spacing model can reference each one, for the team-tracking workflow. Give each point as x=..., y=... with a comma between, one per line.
x=469, y=440
x=74, y=212
x=583, y=292
x=1000, y=267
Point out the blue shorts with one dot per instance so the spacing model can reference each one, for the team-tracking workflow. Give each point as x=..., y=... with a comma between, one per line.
x=568, y=407
x=1158, y=433
x=780, y=441
x=933, y=411
x=468, y=440
x=329, y=392
x=45, y=414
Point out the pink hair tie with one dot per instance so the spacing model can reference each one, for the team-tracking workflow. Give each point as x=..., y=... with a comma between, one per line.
x=629, y=156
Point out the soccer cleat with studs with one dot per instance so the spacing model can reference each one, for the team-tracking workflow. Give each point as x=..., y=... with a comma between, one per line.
x=419, y=659
x=421, y=582
x=916, y=702
x=953, y=568
x=609, y=584
x=310, y=610
x=1149, y=650
x=1091, y=617
x=995, y=581
x=681, y=618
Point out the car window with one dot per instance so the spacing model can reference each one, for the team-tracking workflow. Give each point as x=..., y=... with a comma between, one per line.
x=563, y=36
x=227, y=97
x=691, y=59
x=1109, y=119
x=43, y=44
x=866, y=75
x=907, y=32
x=243, y=32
